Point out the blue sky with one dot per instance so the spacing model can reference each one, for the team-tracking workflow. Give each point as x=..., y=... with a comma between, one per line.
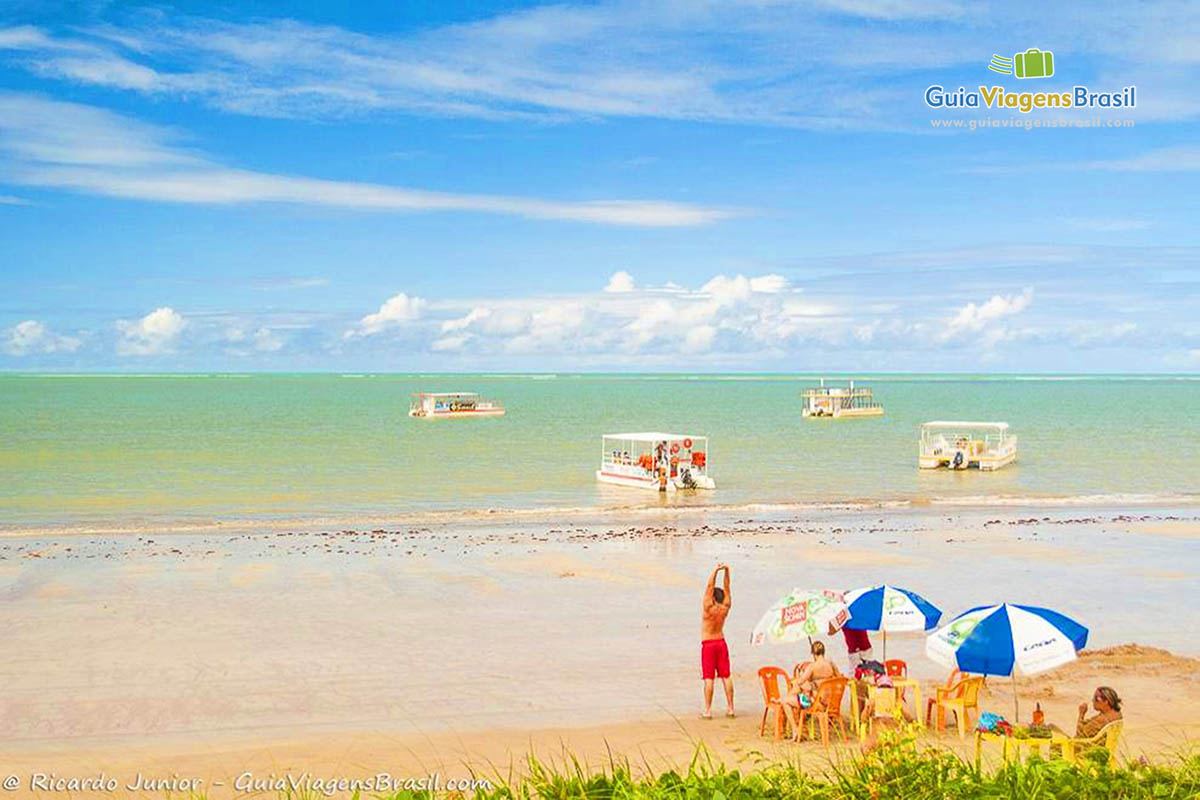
x=627, y=185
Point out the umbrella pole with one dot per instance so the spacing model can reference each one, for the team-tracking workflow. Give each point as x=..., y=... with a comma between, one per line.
x=1016, y=708
x=885, y=647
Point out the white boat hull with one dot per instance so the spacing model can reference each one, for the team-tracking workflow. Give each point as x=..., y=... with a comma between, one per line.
x=648, y=482
x=983, y=463
x=478, y=412
x=842, y=413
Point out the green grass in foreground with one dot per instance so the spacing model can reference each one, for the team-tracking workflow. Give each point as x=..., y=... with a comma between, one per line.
x=899, y=768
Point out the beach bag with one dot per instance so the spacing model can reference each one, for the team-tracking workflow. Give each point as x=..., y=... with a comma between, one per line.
x=868, y=670
x=988, y=722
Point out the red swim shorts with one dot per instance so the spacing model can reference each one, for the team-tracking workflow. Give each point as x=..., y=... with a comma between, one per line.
x=714, y=659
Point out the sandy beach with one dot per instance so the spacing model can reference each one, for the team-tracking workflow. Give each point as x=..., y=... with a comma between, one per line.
x=463, y=644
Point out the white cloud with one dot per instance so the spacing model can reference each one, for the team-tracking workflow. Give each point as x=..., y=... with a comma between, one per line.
x=396, y=310
x=699, y=339
x=769, y=284
x=620, y=281
x=972, y=317
x=12, y=200
x=449, y=343
x=261, y=340
x=725, y=290
x=461, y=323
x=84, y=149
x=1105, y=335
x=553, y=327
x=727, y=62
x=32, y=336
x=745, y=311
x=154, y=334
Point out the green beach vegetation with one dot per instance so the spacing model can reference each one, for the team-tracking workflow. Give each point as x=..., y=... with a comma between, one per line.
x=901, y=767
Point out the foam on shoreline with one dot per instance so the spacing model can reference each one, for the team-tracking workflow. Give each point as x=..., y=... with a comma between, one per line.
x=469, y=516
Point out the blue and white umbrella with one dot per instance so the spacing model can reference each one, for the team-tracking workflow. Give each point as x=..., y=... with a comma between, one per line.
x=1000, y=640
x=890, y=609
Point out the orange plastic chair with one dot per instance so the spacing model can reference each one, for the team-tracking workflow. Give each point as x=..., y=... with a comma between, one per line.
x=772, y=698
x=827, y=707
x=959, y=698
x=800, y=668
x=896, y=668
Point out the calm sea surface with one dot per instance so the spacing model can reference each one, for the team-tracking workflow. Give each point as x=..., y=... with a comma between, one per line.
x=128, y=447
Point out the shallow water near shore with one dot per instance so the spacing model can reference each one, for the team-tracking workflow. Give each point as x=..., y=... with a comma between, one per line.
x=426, y=628
x=141, y=448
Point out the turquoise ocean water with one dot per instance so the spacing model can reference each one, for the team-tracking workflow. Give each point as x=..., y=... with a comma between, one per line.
x=90, y=447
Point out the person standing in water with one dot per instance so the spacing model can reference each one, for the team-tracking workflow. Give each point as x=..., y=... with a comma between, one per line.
x=714, y=653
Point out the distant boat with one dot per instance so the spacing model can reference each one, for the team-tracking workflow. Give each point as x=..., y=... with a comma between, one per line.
x=446, y=405
x=666, y=462
x=838, y=402
x=966, y=445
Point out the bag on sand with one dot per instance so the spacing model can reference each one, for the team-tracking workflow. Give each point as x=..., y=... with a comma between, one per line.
x=993, y=723
x=865, y=669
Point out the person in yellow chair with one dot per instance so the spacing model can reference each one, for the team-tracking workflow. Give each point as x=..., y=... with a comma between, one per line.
x=1108, y=709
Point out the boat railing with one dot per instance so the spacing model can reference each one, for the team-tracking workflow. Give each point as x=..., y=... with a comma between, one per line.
x=629, y=464
x=934, y=444
x=854, y=398
x=450, y=402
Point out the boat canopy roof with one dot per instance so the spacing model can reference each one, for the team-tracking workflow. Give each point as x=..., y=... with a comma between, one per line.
x=997, y=426
x=653, y=436
x=445, y=394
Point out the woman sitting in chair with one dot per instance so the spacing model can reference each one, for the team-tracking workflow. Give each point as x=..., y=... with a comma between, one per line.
x=1108, y=709
x=802, y=689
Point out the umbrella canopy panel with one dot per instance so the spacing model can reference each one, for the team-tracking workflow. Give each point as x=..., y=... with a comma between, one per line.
x=998, y=640
x=890, y=609
x=801, y=614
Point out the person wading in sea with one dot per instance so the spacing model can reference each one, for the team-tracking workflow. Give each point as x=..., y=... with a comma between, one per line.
x=714, y=653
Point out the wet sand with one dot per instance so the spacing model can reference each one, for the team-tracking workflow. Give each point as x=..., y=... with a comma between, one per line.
x=431, y=646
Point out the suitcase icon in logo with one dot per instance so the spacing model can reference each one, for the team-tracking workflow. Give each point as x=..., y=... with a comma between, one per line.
x=1034, y=63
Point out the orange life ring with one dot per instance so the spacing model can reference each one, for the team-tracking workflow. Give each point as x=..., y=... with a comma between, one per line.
x=674, y=448
x=687, y=443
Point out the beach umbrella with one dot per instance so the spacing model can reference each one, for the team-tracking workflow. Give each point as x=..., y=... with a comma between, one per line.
x=889, y=608
x=1002, y=639
x=800, y=614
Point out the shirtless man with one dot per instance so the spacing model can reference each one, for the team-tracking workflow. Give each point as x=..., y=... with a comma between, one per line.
x=714, y=653
x=819, y=669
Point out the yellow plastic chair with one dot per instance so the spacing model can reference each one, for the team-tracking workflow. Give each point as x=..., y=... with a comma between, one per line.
x=959, y=698
x=1107, y=737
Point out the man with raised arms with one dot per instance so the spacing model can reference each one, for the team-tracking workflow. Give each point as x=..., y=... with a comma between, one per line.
x=714, y=653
